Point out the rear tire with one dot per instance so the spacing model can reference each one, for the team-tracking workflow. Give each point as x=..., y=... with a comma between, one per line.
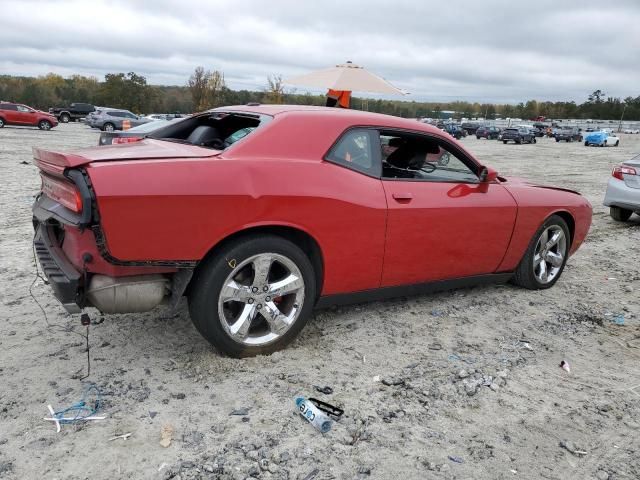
x=586, y=144
x=64, y=118
x=108, y=127
x=504, y=141
x=620, y=214
x=617, y=143
x=533, y=140
x=1, y=122
x=529, y=273
x=235, y=269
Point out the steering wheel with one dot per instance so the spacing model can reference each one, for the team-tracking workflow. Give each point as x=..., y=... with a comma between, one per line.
x=429, y=167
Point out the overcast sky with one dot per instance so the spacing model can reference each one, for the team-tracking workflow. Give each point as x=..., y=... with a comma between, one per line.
x=482, y=50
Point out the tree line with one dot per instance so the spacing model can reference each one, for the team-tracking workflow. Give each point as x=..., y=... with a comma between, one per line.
x=207, y=89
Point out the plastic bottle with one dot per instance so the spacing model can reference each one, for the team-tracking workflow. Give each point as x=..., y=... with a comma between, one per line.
x=313, y=415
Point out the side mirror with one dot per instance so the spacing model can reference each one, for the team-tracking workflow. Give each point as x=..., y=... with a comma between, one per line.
x=488, y=175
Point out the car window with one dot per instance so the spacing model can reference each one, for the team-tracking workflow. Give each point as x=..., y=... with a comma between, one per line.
x=416, y=157
x=129, y=115
x=355, y=150
x=22, y=109
x=7, y=106
x=116, y=114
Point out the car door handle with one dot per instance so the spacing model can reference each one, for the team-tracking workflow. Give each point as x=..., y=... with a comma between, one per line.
x=402, y=197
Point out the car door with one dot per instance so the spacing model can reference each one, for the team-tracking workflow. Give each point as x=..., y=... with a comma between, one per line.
x=24, y=116
x=9, y=112
x=442, y=222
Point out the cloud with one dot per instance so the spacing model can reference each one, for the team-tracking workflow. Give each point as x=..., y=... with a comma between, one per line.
x=485, y=51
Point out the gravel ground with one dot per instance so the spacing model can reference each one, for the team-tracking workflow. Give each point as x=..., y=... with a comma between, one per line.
x=463, y=384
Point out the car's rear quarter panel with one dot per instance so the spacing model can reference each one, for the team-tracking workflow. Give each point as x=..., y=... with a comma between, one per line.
x=180, y=209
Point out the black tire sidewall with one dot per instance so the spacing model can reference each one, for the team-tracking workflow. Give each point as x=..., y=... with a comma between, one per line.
x=209, y=279
x=41, y=124
x=525, y=273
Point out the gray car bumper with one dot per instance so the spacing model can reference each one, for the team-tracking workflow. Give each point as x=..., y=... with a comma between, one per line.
x=621, y=195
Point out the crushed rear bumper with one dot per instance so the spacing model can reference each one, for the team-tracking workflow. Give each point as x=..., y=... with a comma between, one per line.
x=64, y=279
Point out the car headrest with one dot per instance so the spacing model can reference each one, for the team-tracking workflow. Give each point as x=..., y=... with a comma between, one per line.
x=397, y=142
x=203, y=135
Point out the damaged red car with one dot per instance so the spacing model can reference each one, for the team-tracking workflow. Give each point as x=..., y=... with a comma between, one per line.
x=257, y=214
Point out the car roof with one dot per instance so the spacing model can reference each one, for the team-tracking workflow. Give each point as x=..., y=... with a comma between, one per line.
x=347, y=116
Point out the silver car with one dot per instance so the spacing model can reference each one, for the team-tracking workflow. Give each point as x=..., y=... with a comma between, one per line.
x=112, y=119
x=623, y=190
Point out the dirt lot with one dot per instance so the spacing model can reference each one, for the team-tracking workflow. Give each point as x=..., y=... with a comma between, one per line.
x=463, y=384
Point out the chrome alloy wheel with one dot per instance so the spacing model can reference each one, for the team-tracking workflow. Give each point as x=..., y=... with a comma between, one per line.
x=261, y=298
x=549, y=254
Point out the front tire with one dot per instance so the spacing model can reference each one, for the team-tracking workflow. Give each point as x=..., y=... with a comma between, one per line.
x=44, y=125
x=620, y=214
x=544, y=260
x=586, y=144
x=254, y=296
x=504, y=141
x=617, y=143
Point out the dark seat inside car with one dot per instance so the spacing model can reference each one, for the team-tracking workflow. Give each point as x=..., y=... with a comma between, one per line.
x=205, y=135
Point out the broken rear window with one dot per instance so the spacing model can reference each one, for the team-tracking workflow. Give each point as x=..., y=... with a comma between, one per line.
x=217, y=129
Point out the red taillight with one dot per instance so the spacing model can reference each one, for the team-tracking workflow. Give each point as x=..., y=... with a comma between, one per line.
x=621, y=170
x=65, y=193
x=118, y=140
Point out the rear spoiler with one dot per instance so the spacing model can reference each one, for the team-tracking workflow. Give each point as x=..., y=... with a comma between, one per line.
x=55, y=162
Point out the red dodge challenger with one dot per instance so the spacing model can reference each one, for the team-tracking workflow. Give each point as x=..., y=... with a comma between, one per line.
x=260, y=213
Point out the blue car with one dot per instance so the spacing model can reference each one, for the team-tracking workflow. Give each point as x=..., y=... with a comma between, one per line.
x=601, y=139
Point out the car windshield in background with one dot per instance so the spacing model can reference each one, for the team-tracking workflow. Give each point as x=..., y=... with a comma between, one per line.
x=218, y=130
x=151, y=126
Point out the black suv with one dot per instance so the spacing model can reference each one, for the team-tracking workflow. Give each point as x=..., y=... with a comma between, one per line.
x=489, y=133
x=470, y=127
x=518, y=135
x=568, y=134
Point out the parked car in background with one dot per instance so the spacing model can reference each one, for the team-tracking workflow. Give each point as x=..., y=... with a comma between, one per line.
x=134, y=134
x=112, y=119
x=470, y=127
x=18, y=114
x=200, y=208
x=164, y=116
x=631, y=130
x=568, y=134
x=490, y=133
x=537, y=132
x=623, y=190
x=603, y=138
x=454, y=130
x=517, y=135
x=73, y=112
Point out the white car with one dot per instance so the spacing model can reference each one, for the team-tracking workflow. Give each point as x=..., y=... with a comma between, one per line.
x=631, y=130
x=603, y=138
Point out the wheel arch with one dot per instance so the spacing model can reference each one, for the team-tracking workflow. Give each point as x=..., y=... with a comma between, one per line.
x=571, y=223
x=298, y=236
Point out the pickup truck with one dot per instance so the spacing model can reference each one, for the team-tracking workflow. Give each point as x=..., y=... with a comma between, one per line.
x=73, y=112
